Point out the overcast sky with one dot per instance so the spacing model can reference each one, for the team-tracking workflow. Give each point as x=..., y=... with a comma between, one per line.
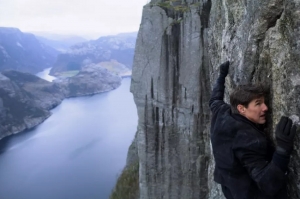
x=91, y=18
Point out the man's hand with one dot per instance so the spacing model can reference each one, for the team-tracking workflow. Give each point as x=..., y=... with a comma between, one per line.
x=224, y=69
x=285, y=133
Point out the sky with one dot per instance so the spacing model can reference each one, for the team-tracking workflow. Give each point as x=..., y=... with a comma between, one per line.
x=87, y=18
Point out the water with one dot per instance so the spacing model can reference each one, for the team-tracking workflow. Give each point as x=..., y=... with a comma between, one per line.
x=45, y=75
x=75, y=154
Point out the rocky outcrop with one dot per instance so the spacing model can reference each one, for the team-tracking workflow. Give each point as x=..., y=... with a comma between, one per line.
x=90, y=80
x=23, y=52
x=179, y=47
x=25, y=100
x=119, y=47
x=18, y=109
x=45, y=94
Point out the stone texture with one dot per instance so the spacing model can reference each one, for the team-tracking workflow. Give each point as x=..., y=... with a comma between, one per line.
x=132, y=154
x=179, y=48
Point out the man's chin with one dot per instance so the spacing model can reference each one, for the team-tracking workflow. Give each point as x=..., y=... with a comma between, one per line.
x=262, y=121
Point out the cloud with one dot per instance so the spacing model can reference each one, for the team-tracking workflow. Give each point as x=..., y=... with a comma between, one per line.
x=81, y=17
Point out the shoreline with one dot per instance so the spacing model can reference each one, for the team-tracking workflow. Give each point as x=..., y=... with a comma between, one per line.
x=52, y=107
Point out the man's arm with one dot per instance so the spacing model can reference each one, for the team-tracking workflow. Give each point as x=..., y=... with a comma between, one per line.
x=270, y=177
x=216, y=100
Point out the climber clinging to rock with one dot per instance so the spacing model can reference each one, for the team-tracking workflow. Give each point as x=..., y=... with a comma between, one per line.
x=247, y=165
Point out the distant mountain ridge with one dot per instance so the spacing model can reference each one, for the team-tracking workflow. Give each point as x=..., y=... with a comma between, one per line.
x=118, y=47
x=24, y=52
x=62, y=43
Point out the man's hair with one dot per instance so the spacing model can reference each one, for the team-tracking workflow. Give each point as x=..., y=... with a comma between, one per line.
x=244, y=94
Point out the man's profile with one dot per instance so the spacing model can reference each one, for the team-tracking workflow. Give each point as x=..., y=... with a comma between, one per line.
x=248, y=166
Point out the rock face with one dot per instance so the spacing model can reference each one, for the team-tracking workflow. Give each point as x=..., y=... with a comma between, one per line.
x=25, y=100
x=23, y=52
x=119, y=48
x=179, y=48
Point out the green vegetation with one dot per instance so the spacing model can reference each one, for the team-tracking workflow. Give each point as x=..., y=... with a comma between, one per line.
x=176, y=5
x=127, y=186
x=69, y=73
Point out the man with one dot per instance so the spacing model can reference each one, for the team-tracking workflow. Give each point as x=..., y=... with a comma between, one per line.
x=247, y=165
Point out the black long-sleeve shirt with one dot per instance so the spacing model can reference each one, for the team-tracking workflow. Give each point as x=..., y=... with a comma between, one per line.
x=246, y=162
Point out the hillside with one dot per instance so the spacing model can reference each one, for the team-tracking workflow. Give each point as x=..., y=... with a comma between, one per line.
x=23, y=52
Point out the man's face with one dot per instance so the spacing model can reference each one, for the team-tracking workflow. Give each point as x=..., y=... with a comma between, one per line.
x=256, y=111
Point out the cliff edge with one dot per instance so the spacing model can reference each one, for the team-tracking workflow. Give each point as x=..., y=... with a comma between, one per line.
x=179, y=48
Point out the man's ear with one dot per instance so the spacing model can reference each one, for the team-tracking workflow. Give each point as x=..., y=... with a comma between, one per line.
x=241, y=109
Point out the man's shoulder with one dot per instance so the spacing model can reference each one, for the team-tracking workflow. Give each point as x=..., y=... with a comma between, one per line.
x=225, y=108
x=249, y=137
x=225, y=126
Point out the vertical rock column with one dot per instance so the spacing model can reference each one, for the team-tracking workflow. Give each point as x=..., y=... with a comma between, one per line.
x=170, y=83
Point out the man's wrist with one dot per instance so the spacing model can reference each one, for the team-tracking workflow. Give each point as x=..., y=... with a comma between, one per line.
x=223, y=73
x=281, y=161
x=282, y=151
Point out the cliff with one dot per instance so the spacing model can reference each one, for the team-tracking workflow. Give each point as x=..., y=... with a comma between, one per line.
x=179, y=48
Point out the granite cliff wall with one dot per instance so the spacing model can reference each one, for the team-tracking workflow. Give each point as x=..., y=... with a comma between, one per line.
x=179, y=47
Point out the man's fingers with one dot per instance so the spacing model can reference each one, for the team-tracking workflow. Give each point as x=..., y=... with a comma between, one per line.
x=225, y=65
x=281, y=124
x=293, y=131
x=287, y=129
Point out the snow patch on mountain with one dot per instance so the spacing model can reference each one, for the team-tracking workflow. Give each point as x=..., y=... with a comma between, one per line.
x=20, y=45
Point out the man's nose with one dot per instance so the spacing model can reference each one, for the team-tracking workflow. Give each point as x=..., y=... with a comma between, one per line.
x=265, y=108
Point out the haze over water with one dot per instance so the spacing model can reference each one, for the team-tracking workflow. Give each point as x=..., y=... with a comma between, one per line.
x=75, y=154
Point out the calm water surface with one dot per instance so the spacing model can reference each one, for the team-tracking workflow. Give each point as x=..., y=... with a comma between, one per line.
x=75, y=154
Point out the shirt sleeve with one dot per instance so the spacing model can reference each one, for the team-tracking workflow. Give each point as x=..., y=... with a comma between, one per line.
x=216, y=101
x=251, y=152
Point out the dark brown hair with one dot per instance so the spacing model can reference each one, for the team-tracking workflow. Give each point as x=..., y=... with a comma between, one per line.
x=244, y=94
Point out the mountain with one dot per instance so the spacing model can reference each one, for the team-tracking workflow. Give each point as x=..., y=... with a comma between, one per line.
x=69, y=39
x=23, y=52
x=119, y=48
x=60, y=43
